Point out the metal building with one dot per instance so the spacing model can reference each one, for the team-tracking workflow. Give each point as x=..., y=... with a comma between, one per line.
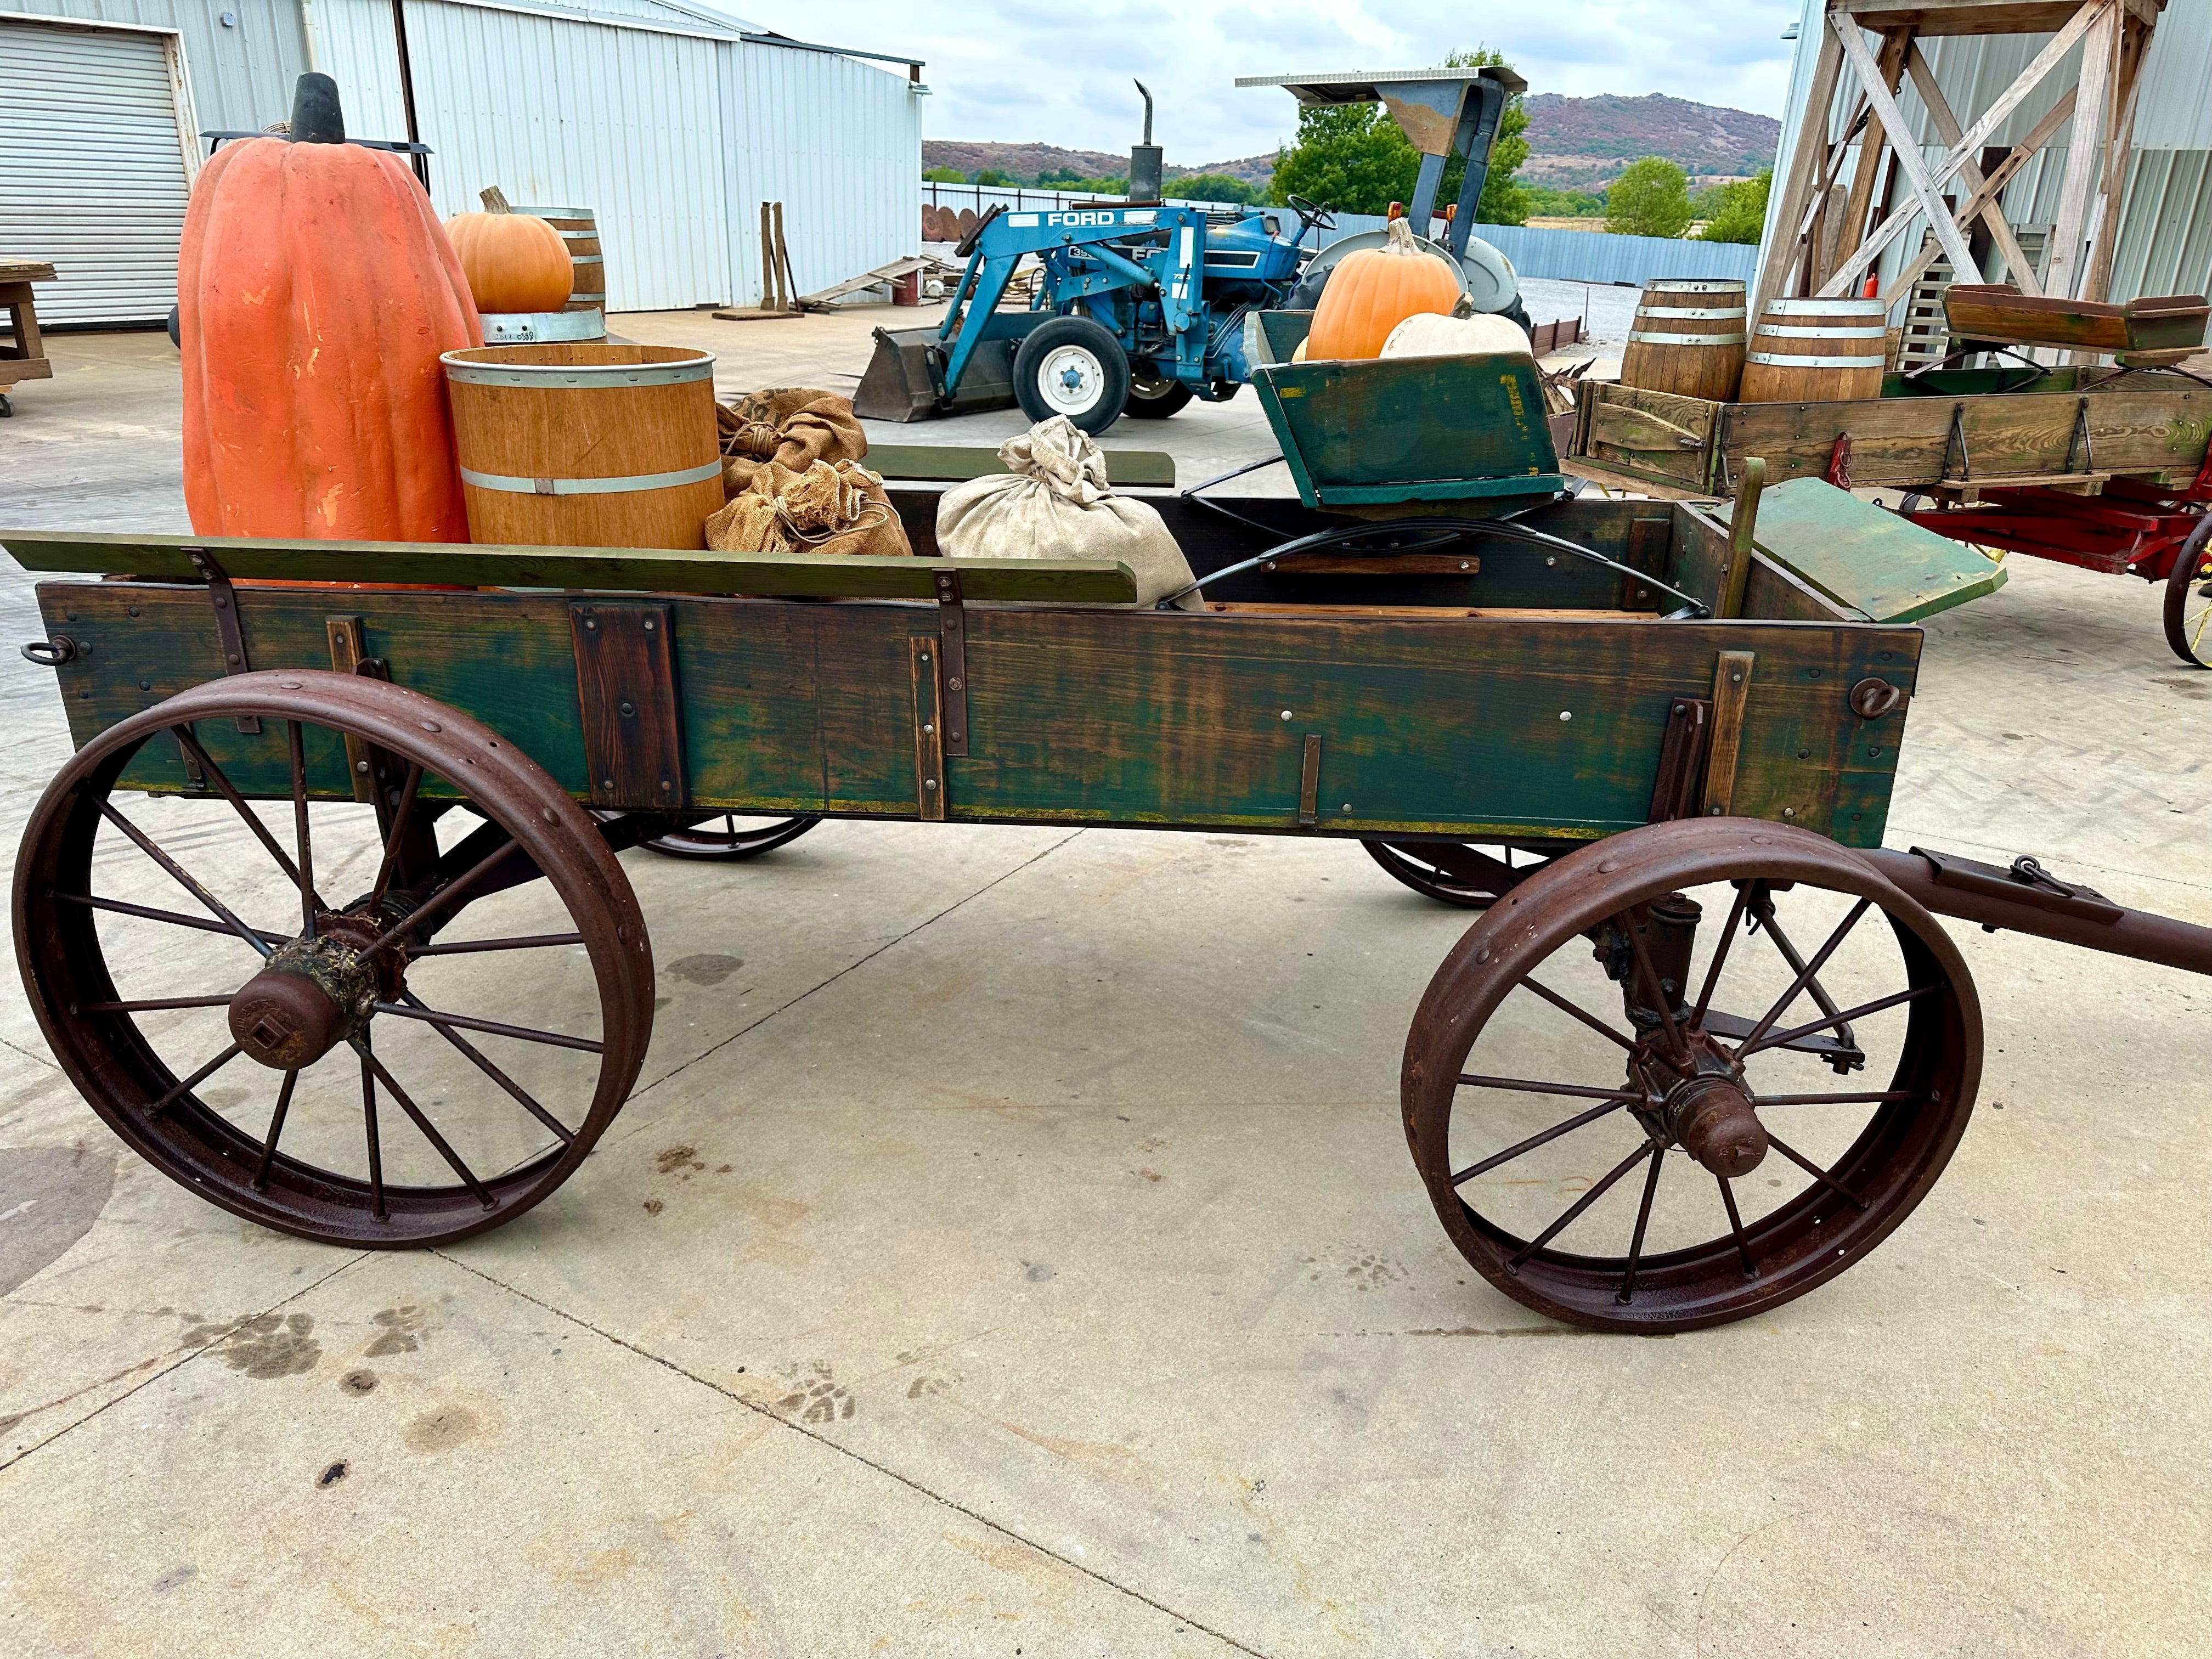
x=672, y=122
x=2164, y=240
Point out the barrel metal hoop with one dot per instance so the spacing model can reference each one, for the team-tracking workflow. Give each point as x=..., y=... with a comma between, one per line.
x=1775, y=360
x=537, y=327
x=1791, y=332
x=586, y=259
x=1695, y=285
x=581, y=377
x=1653, y=313
x=1685, y=339
x=689, y=475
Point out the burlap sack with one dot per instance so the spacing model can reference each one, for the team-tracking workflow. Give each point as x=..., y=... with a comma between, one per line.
x=791, y=426
x=1056, y=504
x=827, y=507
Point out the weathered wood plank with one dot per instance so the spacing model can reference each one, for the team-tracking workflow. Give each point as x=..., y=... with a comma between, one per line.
x=783, y=576
x=1142, y=718
x=1648, y=434
x=1864, y=558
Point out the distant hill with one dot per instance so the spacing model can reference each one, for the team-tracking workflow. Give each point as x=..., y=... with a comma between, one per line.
x=1578, y=143
x=1025, y=161
x=1573, y=144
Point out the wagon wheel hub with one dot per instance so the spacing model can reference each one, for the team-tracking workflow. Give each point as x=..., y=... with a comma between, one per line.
x=1702, y=1105
x=311, y=995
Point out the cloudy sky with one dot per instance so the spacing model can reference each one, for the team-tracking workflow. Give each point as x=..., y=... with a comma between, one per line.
x=1019, y=70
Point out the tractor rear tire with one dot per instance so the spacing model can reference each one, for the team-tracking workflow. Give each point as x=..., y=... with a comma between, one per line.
x=1154, y=397
x=1074, y=367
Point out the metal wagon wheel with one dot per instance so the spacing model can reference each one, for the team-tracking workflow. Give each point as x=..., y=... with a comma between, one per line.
x=399, y=1112
x=1541, y=1074
x=730, y=838
x=1451, y=872
x=2188, y=611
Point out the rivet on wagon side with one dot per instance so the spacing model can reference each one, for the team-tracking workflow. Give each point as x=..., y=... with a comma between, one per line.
x=432, y=726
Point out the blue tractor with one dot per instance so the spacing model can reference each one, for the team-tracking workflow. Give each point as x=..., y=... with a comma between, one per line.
x=1140, y=306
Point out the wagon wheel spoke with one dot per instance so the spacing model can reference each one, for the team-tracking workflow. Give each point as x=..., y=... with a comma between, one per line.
x=293, y=872
x=376, y=1142
x=1814, y=1170
x=276, y=1130
x=438, y=1142
x=1773, y=924
x=1587, y=1019
x=1721, y=950
x=521, y=1096
x=195, y=1079
x=490, y=1027
x=1735, y=1226
x=310, y=901
x=1539, y=1138
x=1649, y=1149
x=1872, y=1097
x=182, y=878
x=401, y=815
x=1627, y=1293
x=1627, y=921
x=1752, y=1043
x=468, y=946
x=150, y=1005
x=1778, y=1039
x=146, y=913
x=444, y=899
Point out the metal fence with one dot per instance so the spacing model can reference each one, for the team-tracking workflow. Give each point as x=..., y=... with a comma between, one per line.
x=1573, y=256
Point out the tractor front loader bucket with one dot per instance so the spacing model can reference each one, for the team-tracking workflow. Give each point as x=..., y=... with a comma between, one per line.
x=905, y=377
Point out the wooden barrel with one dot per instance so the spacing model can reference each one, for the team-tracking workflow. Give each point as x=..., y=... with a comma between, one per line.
x=586, y=445
x=1810, y=351
x=581, y=231
x=1687, y=338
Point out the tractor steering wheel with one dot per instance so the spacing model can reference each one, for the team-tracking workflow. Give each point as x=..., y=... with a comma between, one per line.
x=1312, y=216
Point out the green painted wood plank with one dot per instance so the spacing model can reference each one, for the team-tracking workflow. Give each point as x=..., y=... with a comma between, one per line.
x=958, y=463
x=1863, y=558
x=657, y=570
x=1449, y=724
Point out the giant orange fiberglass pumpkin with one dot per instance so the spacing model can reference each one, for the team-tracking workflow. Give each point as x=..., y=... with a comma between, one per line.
x=315, y=291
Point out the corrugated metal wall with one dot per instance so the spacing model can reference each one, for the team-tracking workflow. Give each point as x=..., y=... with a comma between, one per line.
x=2166, y=226
x=241, y=76
x=839, y=143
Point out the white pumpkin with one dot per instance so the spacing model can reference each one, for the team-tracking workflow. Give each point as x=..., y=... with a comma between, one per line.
x=1430, y=336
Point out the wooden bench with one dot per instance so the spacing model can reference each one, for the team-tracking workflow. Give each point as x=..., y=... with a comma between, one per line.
x=22, y=356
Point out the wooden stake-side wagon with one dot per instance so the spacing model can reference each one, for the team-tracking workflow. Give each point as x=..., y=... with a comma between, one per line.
x=1694, y=964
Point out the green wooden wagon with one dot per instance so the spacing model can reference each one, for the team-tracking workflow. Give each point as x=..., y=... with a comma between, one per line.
x=1611, y=723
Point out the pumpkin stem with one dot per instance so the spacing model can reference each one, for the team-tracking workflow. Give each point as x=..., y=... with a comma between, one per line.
x=1399, y=234
x=494, y=199
x=316, y=117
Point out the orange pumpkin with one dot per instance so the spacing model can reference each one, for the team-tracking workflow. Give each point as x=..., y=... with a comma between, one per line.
x=315, y=292
x=1373, y=290
x=514, y=261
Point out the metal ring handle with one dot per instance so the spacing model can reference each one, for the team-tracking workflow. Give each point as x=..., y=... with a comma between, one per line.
x=52, y=654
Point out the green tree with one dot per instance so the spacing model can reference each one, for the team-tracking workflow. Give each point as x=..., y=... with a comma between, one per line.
x=992, y=176
x=945, y=176
x=1211, y=187
x=1651, y=198
x=1740, y=215
x=1352, y=158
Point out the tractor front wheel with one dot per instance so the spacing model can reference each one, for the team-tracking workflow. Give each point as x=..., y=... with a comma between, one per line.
x=1074, y=367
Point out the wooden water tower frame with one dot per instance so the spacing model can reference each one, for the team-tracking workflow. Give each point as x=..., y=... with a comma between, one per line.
x=1823, y=243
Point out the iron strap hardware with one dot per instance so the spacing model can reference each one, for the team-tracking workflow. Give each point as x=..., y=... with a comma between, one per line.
x=2025, y=883
x=953, y=659
x=619, y=486
x=224, y=599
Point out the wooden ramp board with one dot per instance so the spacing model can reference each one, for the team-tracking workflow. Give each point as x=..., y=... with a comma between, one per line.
x=958, y=463
x=636, y=569
x=1864, y=557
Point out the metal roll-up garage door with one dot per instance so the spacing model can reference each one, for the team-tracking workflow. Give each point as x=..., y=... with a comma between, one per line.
x=92, y=170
